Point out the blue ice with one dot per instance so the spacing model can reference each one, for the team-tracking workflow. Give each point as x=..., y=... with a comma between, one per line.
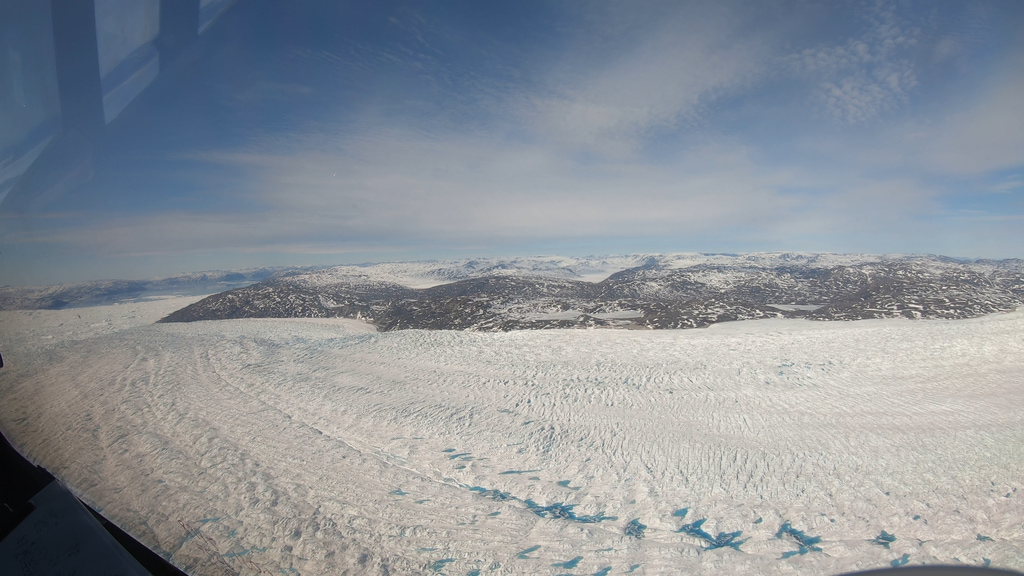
x=635, y=528
x=807, y=543
x=564, y=511
x=496, y=495
x=721, y=541
x=437, y=566
x=900, y=561
x=570, y=564
x=884, y=539
x=523, y=555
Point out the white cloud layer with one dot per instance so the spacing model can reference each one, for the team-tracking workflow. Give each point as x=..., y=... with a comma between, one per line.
x=866, y=76
x=775, y=126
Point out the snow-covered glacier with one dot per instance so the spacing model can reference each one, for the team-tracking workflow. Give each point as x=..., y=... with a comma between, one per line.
x=305, y=446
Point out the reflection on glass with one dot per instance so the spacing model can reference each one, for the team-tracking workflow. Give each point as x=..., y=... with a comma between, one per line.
x=400, y=288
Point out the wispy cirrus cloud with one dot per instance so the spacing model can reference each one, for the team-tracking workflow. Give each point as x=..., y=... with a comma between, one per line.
x=867, y=75
x=644, y=69
x=1014, y=183
x=700, y=125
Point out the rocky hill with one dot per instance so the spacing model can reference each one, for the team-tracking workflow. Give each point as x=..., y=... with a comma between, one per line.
x=647, y=291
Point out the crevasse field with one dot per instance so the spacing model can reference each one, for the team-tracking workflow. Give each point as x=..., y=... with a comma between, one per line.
x=323, y=447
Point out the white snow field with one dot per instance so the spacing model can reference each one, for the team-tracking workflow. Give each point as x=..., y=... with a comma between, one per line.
x=324, y=447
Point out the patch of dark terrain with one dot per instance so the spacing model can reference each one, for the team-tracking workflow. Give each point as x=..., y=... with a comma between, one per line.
x=914, y=290
x=650, y=296
x=285, y=298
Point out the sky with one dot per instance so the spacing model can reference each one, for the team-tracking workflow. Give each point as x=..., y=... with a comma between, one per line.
x=321, y=133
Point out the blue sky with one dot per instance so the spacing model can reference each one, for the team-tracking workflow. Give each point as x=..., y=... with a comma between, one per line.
x=315, y=134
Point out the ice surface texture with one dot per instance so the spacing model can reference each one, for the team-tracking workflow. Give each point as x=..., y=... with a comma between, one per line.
x=322, y=446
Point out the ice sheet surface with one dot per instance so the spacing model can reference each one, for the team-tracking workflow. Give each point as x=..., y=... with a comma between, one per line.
x=321, y=446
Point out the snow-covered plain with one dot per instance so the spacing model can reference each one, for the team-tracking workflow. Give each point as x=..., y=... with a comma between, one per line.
x=324, y=447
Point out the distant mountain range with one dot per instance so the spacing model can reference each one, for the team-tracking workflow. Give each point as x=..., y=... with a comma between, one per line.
x=109, y=291
x=632, y=292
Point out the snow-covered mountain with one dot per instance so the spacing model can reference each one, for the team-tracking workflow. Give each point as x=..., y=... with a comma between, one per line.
x=637, y=291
